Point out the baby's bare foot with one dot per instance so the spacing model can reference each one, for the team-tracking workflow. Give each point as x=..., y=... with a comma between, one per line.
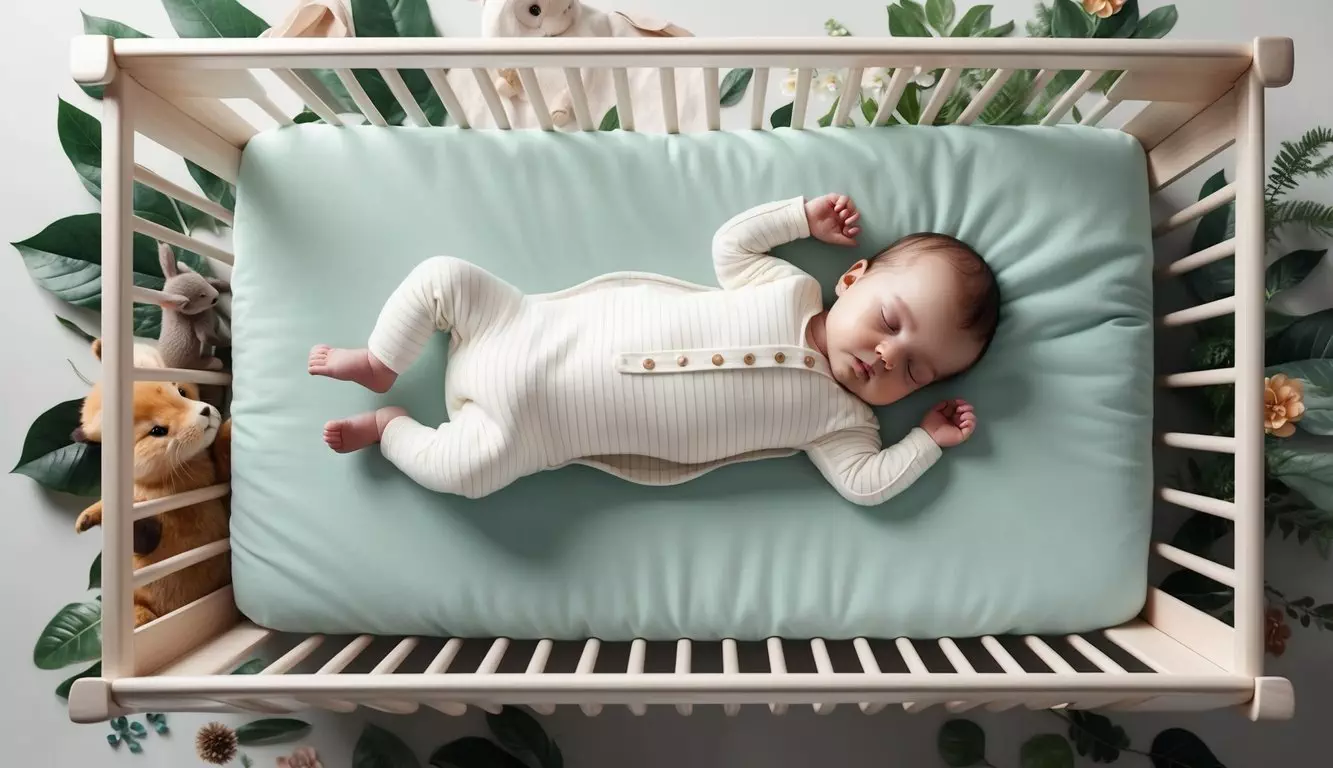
x=356, y=365
x=357, y=432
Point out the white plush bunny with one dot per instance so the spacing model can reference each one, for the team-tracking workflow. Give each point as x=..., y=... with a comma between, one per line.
x=557, y=18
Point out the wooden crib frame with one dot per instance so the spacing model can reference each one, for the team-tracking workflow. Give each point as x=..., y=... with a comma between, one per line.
x=1202, y=97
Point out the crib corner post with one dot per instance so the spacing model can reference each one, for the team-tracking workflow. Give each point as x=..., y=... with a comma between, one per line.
x=1249, y=334
x=1274, y=60
x=117, y=378
x=92, y=60
x=90, y=701
x=1274, y=699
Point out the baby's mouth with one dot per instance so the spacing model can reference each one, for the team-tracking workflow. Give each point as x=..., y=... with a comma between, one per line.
x=863, y=371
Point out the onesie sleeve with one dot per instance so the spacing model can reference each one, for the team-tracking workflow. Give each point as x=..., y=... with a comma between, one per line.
x=853, y=462
x=741, y=246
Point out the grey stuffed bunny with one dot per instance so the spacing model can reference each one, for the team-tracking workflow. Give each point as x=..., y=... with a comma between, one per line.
x=189, y=325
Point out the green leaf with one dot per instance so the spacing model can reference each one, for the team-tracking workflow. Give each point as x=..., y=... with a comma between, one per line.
x=74, y=327
x=1004, y=30
x=1096, y=737
x=378, y=748
x=213, y=18
x=1120, y=25
x=277, y=730
x=1199, y=532
x=1176, y=747
x=909, y=106
x=940, y=14
x=1317, y=378
x=393, y=18
x=1068, y=19
x=251, y=667
x=96, y=25
x=63, y=689
x=610, y=121
x=915, y=8
x=473, y=752
x=215, y=188
x=781, y=117
x=869, y=108
x=73, y=636
x=1306, y=466
x=827, y=118
x=1308, y=338
x=1215, y=280
x=1048, y=750
x=904, y=23
x=519, y=733
x=734, y=85
x=52, y=458
x=973, y=22
x=95, y=573
x=961, y=743
x=1199, y=591
x=1291, y=269
x=306, y=116
x=1157, y=24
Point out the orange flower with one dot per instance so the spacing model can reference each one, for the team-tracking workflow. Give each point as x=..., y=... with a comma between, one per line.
x=1103, y=8
x=1276, y=632
x=303, y=757
x=1282, y=405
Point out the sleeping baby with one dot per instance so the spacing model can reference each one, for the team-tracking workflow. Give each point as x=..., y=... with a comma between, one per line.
x=658, y=381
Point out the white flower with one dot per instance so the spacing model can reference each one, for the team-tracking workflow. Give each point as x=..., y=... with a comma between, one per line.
x=923, y=77
x=831, y=82
x=874, y=79
x=789, y=83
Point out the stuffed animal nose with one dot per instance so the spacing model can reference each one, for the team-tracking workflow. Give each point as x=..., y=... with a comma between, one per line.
x=207, y=410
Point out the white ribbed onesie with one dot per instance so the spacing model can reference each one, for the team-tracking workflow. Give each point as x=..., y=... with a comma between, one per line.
x=647, y=377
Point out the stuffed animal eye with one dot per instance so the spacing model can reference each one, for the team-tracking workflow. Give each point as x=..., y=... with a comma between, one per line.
x=535, y=10
x=182, y=391
x=158, y=431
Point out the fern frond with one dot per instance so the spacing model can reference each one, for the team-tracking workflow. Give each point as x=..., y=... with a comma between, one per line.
x=1297, y=159
x=1040, y=26
x=1007, y=106
x=1316, y=217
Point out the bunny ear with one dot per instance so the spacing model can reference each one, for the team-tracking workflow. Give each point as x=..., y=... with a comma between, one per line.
x=167, y=258
x=182, y=268
x=221, y=285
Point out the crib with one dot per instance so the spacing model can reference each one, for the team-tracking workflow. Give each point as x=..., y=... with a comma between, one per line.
x=1198, y=98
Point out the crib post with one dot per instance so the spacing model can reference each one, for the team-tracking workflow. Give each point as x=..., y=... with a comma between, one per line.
x=1250, y=299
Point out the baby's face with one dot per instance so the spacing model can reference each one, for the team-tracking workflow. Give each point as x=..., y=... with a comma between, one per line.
x=895, y=329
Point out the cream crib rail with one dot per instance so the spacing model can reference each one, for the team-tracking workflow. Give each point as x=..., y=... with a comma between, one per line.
x=1198, y=99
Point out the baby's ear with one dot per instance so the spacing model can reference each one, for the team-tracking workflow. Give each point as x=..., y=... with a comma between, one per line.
x=849, y=278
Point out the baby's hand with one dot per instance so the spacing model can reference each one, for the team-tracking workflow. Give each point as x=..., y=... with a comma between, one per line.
x=950, y=423
x=832, y=219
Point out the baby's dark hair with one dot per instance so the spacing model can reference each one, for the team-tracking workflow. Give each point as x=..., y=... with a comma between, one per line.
x=980, y=290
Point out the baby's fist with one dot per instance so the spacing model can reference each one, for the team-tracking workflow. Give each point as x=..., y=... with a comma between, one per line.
x=950, y=423
x=832, y=219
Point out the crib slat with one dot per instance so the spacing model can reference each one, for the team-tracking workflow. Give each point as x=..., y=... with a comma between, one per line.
x=288, y=661
x=914, y=665
x=307, y=95
x=492, y=97
x=961, y=666
x=336, y=665
x=358, y=94
x=823, y=666
x=438, y=666
x=1200, y=565
x=149, y=179
x=1200, y=313
x=1095, y=655
x=166, y=124
x=670, y=112
x=683, y=668
x=1208, y=378
x=271, y=109
x=624, y=101
x=151, y=573
x=943, y=90
x=1049, y=656
x=440, y=82
x=405, y=98
x=1043, y=79
x=1202, y=258
x=897, y=85
x=851, y=92
x=587, y=666
x=870, y=666
x=1099, y=111
x=1008, y=664
x=759, y=91
x=984, y=96
x=777, y=664
x=386, y=666
x=490, y=663
x=712, y=98
x=158, y=232
x=1205, y=504
x=1196, y=210
x=637, y=650
x=730, y=666
x=1071, y=96
x=578, y=95
x=151, y=507
x=1191, y=442
x=532, y=88
x=180, y=375
x=802, y=97
x=537, y=665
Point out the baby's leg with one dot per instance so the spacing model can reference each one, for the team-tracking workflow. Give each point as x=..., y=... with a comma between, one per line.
x=440, y=294
x=470, y=456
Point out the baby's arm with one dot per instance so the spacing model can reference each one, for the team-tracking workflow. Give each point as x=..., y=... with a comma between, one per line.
x=853, y=461
x=741, y=246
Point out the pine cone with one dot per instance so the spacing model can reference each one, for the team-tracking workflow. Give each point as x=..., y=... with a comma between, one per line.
x=216, y=744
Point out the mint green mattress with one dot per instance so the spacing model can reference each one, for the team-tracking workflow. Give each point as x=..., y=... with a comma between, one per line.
x=1039, y=524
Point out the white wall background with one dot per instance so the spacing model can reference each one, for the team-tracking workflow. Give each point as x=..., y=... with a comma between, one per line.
x=44, y=565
